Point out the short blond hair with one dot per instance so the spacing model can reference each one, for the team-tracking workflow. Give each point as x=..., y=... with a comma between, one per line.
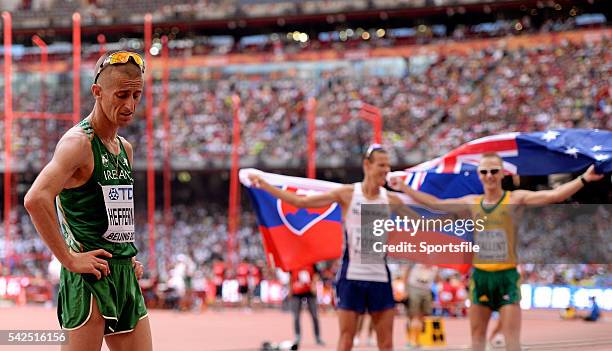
x=493, y=155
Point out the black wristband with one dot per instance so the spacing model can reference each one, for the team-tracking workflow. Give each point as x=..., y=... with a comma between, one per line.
x=584, y=182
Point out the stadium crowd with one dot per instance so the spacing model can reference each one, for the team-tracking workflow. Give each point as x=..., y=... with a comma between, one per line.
x=428, y=109
x=33, y=13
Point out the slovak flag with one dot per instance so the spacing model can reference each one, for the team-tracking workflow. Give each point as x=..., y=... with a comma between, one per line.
x=295, y=237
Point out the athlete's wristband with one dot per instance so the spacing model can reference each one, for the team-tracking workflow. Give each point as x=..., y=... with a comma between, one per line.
x=584, y=182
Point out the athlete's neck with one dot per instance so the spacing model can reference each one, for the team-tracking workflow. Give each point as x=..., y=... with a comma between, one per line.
x=492, y=196
x=103, y=128
x=370, y=189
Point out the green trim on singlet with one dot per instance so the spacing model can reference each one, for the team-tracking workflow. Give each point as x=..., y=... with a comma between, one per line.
x=491, y=209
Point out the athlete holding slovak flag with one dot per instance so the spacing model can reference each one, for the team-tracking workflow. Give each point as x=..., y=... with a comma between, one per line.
x=360, y=287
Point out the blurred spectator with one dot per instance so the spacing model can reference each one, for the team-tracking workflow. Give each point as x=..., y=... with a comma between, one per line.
x=595, y=313
x=303, y=289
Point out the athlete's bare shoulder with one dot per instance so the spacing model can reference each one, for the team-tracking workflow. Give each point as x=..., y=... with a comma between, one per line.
x=468, y=199
x=76, y=134
x=71, y=165
x=345, y=193
x=128, y=149
x=73, y=155
x=346, y=189
x=125, y=142
x=74, y=141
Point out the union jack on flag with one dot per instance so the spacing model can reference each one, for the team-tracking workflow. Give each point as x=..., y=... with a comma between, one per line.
x=536, y=153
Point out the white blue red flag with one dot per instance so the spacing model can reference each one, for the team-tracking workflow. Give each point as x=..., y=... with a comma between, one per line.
x=529, y=154
x=295, y=237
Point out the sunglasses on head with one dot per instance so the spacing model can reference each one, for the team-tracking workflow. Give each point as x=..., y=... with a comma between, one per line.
x=372, y=148
x=119, y=58
x=493, y=171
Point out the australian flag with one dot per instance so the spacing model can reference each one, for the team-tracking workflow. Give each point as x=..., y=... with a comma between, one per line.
x=529, y=154
x=538, y=153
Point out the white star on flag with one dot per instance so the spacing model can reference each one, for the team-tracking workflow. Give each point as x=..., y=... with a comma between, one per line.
x=596, y=148
x=601, y=157
x=550, y=135
x=572, y=151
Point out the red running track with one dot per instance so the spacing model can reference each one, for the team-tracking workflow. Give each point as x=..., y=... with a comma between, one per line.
x=237, y=330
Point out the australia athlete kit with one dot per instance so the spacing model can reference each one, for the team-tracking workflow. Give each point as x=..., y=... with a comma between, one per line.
x=495, y=282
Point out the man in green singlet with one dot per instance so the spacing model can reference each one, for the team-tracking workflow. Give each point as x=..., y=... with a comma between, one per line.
x=495, y=281
x=88, y=189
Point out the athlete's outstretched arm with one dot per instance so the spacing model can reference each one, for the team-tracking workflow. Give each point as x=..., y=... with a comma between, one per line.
x=558, y=194
x=310, y=201
x=70, y=155
x=398, y=206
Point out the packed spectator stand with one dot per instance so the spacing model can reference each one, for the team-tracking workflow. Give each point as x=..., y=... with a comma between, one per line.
x=425, y=106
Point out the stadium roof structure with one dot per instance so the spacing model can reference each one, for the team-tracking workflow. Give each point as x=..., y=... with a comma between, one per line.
x=247, y=17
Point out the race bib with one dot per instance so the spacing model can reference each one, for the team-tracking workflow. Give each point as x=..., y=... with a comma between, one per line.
x=119, y=203
x=355, y=245
x=493, y=245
